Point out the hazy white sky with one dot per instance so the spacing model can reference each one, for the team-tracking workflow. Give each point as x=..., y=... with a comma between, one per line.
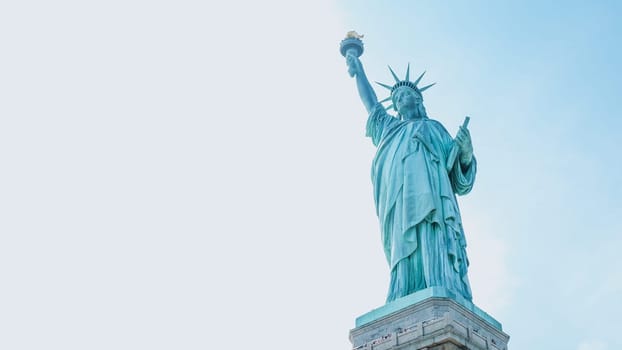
x=185, y=175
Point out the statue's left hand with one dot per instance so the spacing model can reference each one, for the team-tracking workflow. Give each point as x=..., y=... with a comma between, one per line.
x=463, y=139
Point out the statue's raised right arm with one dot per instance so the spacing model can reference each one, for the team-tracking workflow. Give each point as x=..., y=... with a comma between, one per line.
x=355, y=69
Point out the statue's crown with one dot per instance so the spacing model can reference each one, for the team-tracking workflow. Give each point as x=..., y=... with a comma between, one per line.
x=403, y=83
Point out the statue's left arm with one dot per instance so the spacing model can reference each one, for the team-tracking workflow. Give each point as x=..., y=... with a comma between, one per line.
x=463, y=140
x=463, y=172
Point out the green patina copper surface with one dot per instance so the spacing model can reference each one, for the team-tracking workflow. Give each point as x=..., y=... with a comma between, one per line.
x=416, y=173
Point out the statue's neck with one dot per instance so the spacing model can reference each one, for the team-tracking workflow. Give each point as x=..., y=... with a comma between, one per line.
x=413, y=115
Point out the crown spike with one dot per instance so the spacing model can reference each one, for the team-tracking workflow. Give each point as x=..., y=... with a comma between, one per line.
x=385, y=100
x=419, y=79
x=389, y=107
x=384, y=85
x=397, y=80
x=408, y=72
x=426, y=87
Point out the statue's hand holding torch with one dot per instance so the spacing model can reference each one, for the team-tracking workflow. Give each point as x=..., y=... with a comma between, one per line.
x=354, y=64
x=352, y=48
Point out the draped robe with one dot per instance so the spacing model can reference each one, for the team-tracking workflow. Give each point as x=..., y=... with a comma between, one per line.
x=415, y=197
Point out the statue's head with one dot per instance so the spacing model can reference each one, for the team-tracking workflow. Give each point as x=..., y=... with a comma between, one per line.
x=405, y=99
x=408, y=103
x=405, y=94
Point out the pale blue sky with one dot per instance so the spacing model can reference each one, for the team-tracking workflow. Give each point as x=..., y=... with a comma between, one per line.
x=194, y=175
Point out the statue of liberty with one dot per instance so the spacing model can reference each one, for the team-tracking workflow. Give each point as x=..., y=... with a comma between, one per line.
x=416, y=174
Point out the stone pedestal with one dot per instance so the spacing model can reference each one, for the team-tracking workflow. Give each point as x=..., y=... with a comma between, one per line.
x=430, y=319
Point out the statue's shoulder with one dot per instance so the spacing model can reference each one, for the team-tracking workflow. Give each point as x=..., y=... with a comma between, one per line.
x=437, y=125
x=381, y=111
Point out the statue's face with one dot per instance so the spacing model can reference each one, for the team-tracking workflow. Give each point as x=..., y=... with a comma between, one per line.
x=406, y=98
